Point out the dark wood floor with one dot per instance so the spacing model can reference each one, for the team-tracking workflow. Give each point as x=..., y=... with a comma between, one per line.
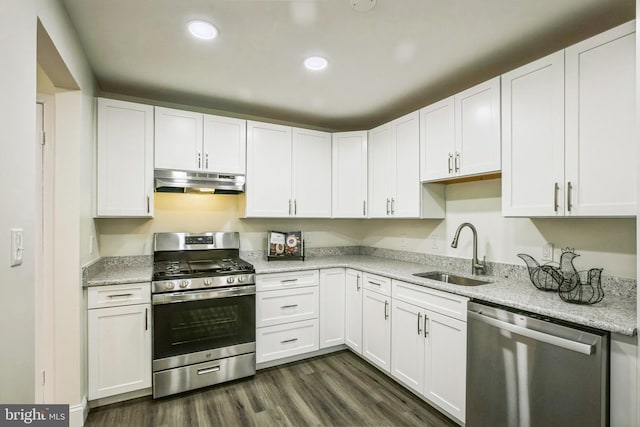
x=338, y=389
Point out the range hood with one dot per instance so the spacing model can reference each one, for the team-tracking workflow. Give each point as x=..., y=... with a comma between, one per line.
x=171, y=181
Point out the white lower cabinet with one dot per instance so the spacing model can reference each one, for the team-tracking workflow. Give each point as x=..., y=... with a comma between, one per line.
x=287, y=307
x=332, y=307
x=376, y=329
x=119, y=339
x=353, y=310
x=429, y=348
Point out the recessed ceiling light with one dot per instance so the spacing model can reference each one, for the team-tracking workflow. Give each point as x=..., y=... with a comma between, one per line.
x=315, y=63
x=203, y=30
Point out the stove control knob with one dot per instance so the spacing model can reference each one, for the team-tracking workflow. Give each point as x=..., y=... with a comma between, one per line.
x=208, y=282
x=184, y=284
x=241, y=279
x=230, y=280
x=170, y=285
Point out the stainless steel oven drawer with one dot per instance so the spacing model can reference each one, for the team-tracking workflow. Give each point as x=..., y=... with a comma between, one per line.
x=204, y=374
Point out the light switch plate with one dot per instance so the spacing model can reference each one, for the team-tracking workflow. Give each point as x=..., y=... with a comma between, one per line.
x=17, y=246
x=547, y=252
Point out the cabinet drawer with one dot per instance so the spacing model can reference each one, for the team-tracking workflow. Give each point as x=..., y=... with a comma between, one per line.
x=295, y=279
x=276, y=342
x=117, y=295
x=441, y=302
x=377, y=283
x=287, y=305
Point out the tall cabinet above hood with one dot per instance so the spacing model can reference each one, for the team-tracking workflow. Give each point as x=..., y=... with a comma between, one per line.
x=170, y=181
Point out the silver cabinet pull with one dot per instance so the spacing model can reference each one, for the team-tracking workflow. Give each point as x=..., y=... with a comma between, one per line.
x=386, y=311
x=393, y=206
x=419, y=323
x=289, y=207
x=450, y=163
x=146, y=319
x=199, y=160
x=358, y=283
x=289, y=306
x=120, y=295
x=295, y=206
x=288, y=280
x=457, y=162
x=206, y=160
x=208, y=370
x=555, y=197
x=426, y=325
x=288, y=341
x=375, y=283
x=387, y=206
x=364, y=208
x=569, y=188
x=148, y=204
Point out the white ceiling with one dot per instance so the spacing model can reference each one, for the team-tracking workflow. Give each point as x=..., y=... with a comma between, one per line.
x=401, y=55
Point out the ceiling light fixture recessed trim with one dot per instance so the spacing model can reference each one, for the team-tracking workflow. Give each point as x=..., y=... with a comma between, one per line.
x=203, y=30
x=315, y=63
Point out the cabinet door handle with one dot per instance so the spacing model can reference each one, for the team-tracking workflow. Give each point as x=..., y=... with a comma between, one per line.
x=387, y=206
x=426, y=325
x=146, y=319
x=364, y=208
x=419, y=323
x=386, y=311
x=120, y=295
x=393, y=206
x=289, y=306
x=358, y=283
x=288, y=280
x=199, y=160
x=375, y=283
x=555, y=197
x=569, y=188
x=295, y=206
x=289, y=207
x=148, y=204
x=450, y=163
x=206, y=161
x=208, y=370
x=457, y=162
x=288, y=341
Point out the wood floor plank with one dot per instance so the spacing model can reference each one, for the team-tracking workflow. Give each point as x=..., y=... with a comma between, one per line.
x=339, y=389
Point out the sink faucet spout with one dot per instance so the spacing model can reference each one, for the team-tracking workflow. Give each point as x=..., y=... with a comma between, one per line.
x=477, y=267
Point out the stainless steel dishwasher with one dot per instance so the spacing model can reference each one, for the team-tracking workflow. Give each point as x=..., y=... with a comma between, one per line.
x=524, y=370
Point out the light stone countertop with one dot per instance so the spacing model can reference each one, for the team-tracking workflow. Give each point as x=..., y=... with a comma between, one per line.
x=614, y=313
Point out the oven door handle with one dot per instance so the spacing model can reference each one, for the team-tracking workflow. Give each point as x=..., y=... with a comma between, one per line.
x=174, y=297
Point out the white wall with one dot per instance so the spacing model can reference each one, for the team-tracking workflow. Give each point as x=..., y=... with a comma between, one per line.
x=17, y=170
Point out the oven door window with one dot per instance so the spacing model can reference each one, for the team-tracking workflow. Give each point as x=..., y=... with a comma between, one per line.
x=189, y=327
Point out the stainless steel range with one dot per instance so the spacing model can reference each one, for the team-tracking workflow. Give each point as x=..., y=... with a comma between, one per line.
x=203, y=298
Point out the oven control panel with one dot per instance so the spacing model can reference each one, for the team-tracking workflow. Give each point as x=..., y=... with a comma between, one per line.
x=202, y=283
x=198, y=240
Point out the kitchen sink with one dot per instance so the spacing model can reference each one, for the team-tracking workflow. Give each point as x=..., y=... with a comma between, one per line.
x=451, y=278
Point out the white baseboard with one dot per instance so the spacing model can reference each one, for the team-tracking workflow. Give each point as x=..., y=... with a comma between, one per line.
x=78, y=413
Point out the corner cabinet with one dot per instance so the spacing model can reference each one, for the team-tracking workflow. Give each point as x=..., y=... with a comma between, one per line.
x=460, y=135
x=394, y=169
x=332, y=307
x=124, y=159
x=197, y=142
x=119, y=339
x=349, y=175
x=568, y=128
x=288, y=172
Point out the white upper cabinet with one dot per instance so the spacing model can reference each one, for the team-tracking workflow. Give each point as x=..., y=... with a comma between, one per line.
x=460, y=136
x=199, y=142
x=224, y=144
x=349, y=175
x=178, y=139
x=600, y=142
x=394, y=169
x=568, y=126
x=288, y=172
x=533, y=138
x=125, y=159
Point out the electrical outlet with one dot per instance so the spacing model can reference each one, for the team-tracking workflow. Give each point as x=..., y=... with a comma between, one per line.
x=547, y=252
x=17, y=246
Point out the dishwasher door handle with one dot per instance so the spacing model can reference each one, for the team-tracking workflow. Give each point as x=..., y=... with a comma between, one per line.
x=565, y=343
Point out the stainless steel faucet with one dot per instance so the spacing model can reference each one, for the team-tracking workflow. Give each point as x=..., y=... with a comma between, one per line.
x=477, y=267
